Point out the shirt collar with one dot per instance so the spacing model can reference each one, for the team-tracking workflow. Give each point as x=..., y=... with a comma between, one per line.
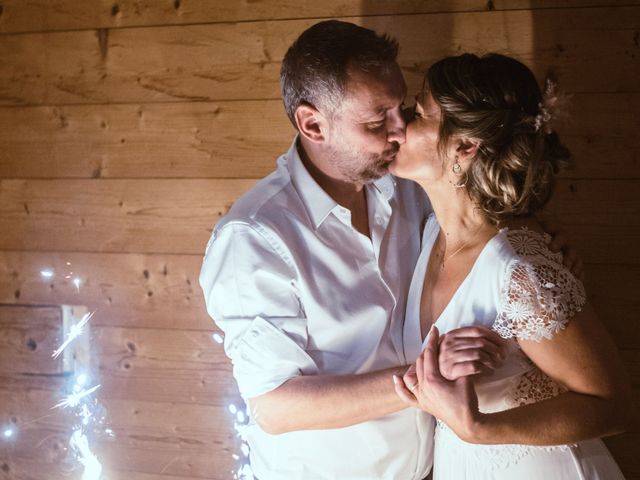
x=316, y=201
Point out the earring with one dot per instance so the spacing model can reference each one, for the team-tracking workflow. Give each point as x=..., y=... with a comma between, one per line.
x=456, y=169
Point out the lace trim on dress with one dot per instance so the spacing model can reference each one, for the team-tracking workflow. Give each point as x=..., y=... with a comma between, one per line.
x=534, y=386
x=539, y=295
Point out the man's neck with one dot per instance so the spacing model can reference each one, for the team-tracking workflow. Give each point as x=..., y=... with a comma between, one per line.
x=348, y=194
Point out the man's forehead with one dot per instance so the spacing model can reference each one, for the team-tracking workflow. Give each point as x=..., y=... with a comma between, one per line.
x=376, y=90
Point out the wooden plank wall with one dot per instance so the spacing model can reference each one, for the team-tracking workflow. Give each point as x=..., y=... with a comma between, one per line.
x=127, y=128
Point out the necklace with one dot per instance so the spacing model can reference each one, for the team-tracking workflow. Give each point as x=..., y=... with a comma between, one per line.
x=448, y=257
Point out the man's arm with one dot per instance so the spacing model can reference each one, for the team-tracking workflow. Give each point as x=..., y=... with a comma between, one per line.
x=336, y=401
x=327, y=401
x=248, y=291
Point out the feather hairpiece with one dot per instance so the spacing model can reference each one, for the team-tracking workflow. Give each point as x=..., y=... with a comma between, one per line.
x=552, y=107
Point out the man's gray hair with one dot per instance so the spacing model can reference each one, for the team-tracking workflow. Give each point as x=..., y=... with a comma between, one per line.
x=315, y=68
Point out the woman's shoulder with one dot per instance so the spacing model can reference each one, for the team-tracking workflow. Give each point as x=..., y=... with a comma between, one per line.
x=539, y=293
x=525, y=241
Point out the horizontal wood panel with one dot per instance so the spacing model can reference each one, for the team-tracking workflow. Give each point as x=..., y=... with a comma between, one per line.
x=28, y=337
x=117, y=287
x=625, y=449
x=243, y=139
x=176, y=216
x=169, y=216
x=199, y=140
x=41, y=15
x=153, y=291
x=12, y=468
x=600, y=217
x=152, y=437
x=241, y=61
x=612, y=289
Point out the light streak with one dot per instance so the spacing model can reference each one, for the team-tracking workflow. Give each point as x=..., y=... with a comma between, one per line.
x=8, y=433
x=46, y=273
x=73, y=399
x=80, y=445
x=77, y=282
x=74, y=332
x=217, y=338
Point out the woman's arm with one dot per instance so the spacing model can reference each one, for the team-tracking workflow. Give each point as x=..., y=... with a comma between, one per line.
x=581, y=357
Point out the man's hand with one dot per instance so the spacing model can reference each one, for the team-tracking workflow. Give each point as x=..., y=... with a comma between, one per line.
x=453, y=402
x=559, y=243
x=470, y=351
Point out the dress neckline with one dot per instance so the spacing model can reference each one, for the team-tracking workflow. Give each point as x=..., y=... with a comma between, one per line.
x=432, y=228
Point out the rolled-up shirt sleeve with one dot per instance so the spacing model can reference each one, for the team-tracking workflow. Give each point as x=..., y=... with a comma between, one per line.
x=250, y=292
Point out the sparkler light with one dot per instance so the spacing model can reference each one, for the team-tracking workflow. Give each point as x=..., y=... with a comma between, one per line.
x=80, y=445
x=73, y=399
x=244, y=471
x=8, y=433
x=46, y=273
x=74, y=332
x=77, y=282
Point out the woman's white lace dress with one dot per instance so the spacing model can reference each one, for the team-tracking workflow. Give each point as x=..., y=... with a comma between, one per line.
x=518, y=287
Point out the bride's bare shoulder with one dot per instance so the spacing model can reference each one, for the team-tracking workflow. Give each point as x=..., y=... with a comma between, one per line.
x=530, y=223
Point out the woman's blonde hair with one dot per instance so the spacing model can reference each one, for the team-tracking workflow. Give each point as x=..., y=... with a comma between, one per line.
x=495, y=101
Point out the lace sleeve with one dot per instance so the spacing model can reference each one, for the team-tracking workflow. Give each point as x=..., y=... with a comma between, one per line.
x=539, y=295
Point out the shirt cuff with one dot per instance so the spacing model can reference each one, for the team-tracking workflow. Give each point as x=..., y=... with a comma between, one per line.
x=264, y=357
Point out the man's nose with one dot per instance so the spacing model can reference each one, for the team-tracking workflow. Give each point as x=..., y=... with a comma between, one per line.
x=397, y=131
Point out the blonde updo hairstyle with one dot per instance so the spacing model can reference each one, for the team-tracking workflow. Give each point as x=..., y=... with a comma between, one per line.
x=494, y=101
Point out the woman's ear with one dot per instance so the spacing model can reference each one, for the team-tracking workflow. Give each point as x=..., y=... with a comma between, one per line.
x=467, y=149
x=311, y=123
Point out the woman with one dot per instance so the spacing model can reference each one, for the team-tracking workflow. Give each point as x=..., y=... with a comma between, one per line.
x=481, y=146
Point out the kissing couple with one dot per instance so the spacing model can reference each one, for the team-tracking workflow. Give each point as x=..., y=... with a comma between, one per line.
x=391, y=305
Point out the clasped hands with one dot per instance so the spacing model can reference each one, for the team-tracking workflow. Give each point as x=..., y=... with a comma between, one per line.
x=441, y=380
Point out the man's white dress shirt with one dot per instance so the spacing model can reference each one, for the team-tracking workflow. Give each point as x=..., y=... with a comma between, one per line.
x=298, y=291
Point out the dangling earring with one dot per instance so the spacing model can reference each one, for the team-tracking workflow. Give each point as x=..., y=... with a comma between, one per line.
x=456, y=169
x=456, y=166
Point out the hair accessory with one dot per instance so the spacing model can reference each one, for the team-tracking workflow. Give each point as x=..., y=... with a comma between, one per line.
x=552, y=107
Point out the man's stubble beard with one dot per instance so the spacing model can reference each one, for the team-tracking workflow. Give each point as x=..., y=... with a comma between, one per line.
x=354, y=168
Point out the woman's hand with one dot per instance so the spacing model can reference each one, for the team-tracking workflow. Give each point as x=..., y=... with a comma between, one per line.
x=470, y=351
x=424, y=387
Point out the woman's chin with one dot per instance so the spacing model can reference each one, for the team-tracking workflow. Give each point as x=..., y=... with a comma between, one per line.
x=397, y=170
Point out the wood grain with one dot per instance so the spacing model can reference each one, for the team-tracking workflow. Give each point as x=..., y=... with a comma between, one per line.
x=243, y=139
x=152, y=291
x=168, y=216
x=28, y=337
x=176, y=216
x=241, y=61
x=191, y=440
x=46, y=15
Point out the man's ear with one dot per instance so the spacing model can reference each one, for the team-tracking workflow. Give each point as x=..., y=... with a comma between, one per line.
x=311, y=123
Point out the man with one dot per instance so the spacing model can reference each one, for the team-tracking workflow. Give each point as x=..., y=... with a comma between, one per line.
x=309, y=272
